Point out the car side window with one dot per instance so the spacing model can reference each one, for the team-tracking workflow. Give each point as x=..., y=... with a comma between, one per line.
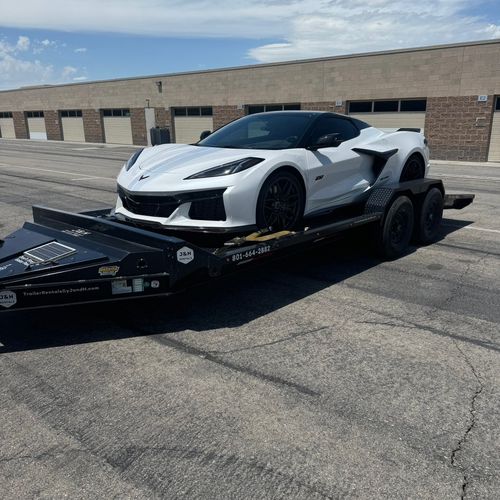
x=334, y=125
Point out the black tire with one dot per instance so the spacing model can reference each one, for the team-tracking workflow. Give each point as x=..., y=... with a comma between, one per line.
x=430, y=217
x=396, y=231
x=414, y=168
x=281, y=201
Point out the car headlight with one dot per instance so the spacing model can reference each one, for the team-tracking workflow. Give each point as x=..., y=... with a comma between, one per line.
x=228, y=168
x=131, y=161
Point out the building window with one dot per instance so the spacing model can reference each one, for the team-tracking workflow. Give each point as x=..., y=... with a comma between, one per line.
x=71, y=113
x=413, y=105
x=193, y=111
x=261, y=108
x=497, y=105
x=387, y=106
x=360, y=106
x=5, y=114
x=123, y=112
x=34, y=114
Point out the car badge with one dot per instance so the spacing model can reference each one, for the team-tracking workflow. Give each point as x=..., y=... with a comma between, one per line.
x=142, y=177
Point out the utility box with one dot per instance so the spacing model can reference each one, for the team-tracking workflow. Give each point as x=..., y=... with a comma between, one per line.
x=159, y=135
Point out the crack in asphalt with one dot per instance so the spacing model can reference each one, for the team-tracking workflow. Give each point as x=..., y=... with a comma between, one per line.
x=274, y=342
x=213, y=358
x=472, y=421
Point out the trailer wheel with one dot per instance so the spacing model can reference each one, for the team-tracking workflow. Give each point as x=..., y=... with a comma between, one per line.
x=430, y=218
x=397, y=228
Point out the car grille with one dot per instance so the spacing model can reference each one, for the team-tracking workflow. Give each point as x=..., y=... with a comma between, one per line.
x=153, y=206
x=205, y=205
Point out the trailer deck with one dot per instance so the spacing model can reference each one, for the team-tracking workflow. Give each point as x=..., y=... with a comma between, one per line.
x=65, y=258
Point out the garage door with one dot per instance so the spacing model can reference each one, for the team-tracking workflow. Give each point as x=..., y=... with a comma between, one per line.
x=190, y=122
x=494, y=154
x=117, y=126
x=7, y=128
x=72, y=125
x=36, y=127
x=392, y=120
x=188, y=129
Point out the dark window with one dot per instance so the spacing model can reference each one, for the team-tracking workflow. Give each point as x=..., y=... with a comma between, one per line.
x=5, y=114
x=413, y=105
x=334, y=125
x=385, y=106
x=71, y=113
x=261, y=108
x=255, y=109
x=34, y=114
x=116, y=112
x=360, y=106
x=497, y=106
x=193, y=111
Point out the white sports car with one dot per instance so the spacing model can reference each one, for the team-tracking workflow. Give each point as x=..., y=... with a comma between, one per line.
x=266, y=170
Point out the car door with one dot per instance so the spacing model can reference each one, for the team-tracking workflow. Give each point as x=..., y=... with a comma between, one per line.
x=337, y=175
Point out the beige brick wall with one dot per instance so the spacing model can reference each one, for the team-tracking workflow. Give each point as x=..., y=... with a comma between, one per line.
x=92, y=125
x=138, y=123
x=459, y=128
x=20, y=125
x=53, y=125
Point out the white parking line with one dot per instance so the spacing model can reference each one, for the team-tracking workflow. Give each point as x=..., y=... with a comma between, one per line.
x=58, y=172
x=475, y=177
x=475, y=228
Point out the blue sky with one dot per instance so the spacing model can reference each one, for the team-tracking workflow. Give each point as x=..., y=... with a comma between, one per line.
x=59, y=41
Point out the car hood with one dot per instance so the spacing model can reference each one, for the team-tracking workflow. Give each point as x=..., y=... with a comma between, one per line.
x=184, y=160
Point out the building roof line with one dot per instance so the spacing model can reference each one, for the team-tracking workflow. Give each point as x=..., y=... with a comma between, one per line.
x=492, y=41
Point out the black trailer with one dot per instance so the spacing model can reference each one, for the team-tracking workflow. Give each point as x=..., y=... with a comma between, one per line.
x=65, y=258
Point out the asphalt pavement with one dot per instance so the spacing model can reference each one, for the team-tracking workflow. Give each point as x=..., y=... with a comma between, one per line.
x=328, y=374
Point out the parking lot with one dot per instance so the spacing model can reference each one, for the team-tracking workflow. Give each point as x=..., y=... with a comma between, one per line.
x=328, y=374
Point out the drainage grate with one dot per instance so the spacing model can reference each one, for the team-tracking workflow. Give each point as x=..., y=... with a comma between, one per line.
x=49, y=252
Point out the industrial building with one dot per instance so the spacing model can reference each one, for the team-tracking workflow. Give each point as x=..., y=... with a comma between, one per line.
x=449, y=91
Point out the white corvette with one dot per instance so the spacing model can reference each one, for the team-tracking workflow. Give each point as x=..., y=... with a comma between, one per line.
x=266, y=170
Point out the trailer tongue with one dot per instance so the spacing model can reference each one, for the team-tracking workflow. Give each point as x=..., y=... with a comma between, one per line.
x=64, y=258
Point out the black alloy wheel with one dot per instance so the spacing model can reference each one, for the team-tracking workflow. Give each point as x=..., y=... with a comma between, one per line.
x=414, y=169
x=281, y=202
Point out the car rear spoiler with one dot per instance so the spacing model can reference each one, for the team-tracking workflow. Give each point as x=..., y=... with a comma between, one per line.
x=409, y=129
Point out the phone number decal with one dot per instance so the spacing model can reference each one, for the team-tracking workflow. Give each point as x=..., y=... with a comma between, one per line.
x=250, y=254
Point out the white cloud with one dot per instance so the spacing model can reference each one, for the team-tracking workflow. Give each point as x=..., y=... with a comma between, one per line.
x=79, y=78
x=17, y=71
x=80, y=50
x=68, y=71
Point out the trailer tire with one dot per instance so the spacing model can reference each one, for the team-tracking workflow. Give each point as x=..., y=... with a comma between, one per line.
x=430, y=217
x=396, y=231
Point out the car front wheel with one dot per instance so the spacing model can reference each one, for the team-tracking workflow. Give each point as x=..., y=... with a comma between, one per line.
x=281, y=201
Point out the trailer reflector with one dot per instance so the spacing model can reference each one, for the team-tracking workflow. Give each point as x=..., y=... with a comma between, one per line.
x=50, y=252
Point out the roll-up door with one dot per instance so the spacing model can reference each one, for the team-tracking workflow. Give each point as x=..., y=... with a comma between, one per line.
x=36, y=125
x=72, y=125
x=117, y=126
x=392, y=120
x=494, y=153
x=190, y=122
x=7, y=128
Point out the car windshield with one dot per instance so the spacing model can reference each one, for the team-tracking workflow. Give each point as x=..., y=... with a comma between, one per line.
x=281, y=130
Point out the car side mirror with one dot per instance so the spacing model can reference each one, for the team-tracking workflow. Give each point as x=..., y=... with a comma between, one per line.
x=326, y=141
x=205, y=134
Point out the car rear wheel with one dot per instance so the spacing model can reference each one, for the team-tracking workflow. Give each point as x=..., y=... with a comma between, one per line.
x=281, y=201
x=414, y=168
